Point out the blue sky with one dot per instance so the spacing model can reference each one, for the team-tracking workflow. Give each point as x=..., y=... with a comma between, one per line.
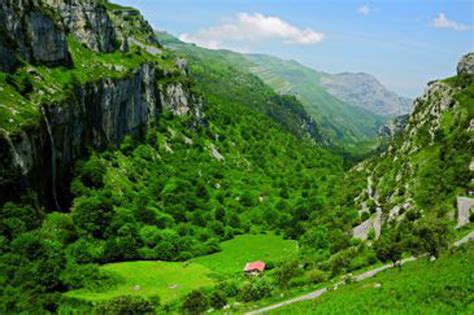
x=404, y=43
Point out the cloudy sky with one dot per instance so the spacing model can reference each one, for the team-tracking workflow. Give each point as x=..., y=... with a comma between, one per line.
x=404, y=43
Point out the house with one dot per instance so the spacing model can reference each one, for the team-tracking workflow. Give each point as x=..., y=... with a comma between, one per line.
x=254, y=268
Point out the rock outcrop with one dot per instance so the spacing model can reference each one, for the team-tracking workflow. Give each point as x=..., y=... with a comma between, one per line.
x=466, y=65
x=393, y=127
x=88, y=21
x=28, y=33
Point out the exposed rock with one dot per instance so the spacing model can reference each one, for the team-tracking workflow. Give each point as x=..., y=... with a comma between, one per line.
x=375, y=223
x=393, y=127
x=176, y=98
x=129, y=23
x=88, y=21
x=216, y=154
x=466, y=65
x=28, y=33
x=465, y=207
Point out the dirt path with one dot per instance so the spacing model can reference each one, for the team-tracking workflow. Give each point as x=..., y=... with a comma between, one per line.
x=362, y=276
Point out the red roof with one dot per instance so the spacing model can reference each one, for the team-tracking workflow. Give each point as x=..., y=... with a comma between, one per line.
x=255, y=266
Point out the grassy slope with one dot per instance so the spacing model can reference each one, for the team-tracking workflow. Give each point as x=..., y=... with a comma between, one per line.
x=156, y=278
x=246, y=248
x=168, y=280
x=343, y=124
x=445, y=286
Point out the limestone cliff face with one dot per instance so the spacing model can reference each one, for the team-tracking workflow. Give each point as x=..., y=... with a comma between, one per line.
x=88, y=21
x=97, y=114
x=28, y=33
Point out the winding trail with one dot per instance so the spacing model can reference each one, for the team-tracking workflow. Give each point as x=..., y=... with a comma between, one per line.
x=362, y=276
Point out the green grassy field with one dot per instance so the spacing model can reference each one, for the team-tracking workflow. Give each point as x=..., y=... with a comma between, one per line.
x=246, y=248
x=173, y=280
x=445, y=286
x=168, y=280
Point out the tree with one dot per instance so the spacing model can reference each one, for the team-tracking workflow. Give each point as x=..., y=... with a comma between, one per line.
x=125, y=305
x=286, y=272
x=255, y=290
x=432, y=236
x=388, y=249
x=218, y=299
x=92, y=214
x=196, y=302
x=316, y=238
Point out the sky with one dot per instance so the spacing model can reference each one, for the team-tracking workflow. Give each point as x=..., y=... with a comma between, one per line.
x=404, y=43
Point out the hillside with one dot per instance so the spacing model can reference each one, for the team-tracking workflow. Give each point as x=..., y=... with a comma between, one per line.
x=443, y=287
x=339, y=123
x=345, y=123
x=427, y=166
x=139, y=175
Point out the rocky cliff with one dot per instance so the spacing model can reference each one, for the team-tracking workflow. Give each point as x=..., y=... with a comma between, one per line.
x=428, y=163
x=93, y=109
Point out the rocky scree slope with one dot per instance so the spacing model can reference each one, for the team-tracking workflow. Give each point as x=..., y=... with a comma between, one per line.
x=72, y=76
x=428, y=164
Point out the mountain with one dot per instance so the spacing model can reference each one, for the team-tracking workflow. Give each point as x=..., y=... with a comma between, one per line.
x=343, y=120
x=134, y=180
x=344, y=124
x=365, y=91
x=427, y=167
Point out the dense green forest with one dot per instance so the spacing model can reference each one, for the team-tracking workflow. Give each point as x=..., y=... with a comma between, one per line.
x=123, y=164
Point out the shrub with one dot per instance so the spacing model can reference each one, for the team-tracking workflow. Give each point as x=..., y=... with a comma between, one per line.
x=256, y=290
x=298, y=282
x=196, y=302
x=218, y=299
x=229, y=288
x=125, y=305
x=317, y=276
x=286, y=272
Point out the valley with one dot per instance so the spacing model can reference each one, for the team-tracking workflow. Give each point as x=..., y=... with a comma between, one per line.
x=140, y=174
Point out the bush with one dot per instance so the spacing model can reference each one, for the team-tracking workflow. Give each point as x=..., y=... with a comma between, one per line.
x=125, y=305
x=229, y=288
x=256, y=290
x=286, y=272
x=196, y=302
x=298, y=282
x=218, y=299
x=317, y=276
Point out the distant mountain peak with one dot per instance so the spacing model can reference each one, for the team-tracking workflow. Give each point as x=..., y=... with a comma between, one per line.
x=365, y=91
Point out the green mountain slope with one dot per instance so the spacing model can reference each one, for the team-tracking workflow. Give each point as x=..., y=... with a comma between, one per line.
x=422, y=287
x=345, y=124
x=340, y=123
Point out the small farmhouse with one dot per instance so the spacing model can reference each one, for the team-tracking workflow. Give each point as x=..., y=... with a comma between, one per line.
x=254, y=268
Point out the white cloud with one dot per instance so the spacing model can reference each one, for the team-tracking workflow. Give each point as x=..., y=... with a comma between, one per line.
x=252, y=28
x=364, y=10
x=442, y=21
